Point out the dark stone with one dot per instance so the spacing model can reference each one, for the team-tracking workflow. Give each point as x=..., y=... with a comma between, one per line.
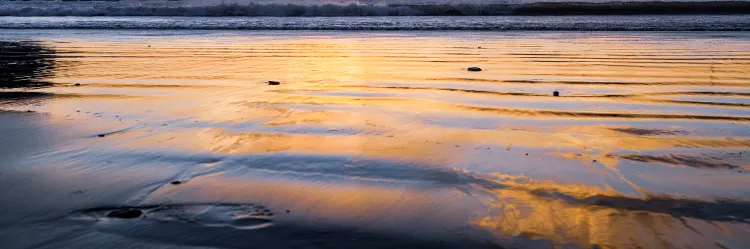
x=29, y=111
x=101, y=135
x=175, y=182
x=287, y=211
x=125, y=214
x=274, y=83
x=555, y=93
x=77, y=84
x=474, y=69
x=594, y=160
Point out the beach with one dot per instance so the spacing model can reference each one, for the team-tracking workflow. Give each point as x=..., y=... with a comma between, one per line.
x=373, y=139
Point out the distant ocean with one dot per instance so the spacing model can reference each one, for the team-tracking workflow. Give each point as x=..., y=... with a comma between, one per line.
x=486, y=23
x=560, y=16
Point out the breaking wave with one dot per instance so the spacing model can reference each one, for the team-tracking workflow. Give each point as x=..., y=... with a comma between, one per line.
x=179, y=8
x=488, y=23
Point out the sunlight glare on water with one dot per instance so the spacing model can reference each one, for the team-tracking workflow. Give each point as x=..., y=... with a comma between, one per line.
x=384, y=139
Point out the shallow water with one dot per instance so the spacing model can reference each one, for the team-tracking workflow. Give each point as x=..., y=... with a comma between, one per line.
x=374, y=139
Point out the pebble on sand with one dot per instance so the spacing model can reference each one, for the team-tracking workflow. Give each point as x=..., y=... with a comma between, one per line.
x=175, y=182
x=555, y=93
x=474, y=69
x=125, y=214
x=274, y=83
x=77, y=84
x=101, y=135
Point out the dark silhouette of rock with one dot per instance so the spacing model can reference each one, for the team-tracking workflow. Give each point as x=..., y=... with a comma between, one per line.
x=125, y=214
x=101, y=135
x=555, y=93
x=77, y=84
x=474, y=69
x=175, y=182
x=274, y=83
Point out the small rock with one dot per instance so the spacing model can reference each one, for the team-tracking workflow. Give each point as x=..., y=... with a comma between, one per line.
x=556, y=93
x=474, y=69
x=101, y=135
x=274, y=83
x=175, y=182
x=29, y=111
x=78, y=110
x=125, y=214
x=77, y=84
x=594, y=160
x=527, y=154
x=287, y=211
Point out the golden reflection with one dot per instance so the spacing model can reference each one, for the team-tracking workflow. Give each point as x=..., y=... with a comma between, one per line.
x=381, y=139
x=531, y=168
x=338, y=203
x=583, y=217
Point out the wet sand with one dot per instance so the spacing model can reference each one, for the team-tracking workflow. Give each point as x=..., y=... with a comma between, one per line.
x=175, y=139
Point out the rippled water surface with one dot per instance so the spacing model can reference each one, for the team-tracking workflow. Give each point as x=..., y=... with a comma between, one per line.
x=389, y=23
x=174, y=139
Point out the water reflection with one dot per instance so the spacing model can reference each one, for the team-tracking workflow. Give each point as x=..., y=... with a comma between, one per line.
x=25, y=64
x=383, y=135
x=549, y=219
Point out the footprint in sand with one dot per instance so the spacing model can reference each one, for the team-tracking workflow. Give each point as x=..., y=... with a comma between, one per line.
x=238, y=216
